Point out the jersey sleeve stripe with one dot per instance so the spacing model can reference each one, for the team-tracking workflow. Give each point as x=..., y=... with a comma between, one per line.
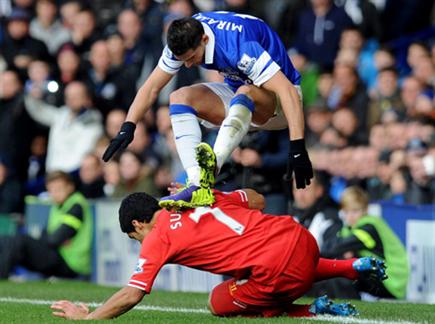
x=137, y=283
x=267, y=74
x=243, y=195
x=136, y=286
x=259, y=65
x=169, y=67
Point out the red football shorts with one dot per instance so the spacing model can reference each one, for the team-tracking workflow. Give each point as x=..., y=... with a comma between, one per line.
x=248, y=297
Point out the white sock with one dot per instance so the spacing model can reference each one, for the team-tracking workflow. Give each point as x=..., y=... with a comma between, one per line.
x=187, y=134
x=233, y=128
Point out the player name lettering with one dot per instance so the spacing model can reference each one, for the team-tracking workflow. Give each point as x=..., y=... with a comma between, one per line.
x=175, y=221
x=222, y=24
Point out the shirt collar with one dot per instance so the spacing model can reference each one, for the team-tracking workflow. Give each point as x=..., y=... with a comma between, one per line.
x=209, y=48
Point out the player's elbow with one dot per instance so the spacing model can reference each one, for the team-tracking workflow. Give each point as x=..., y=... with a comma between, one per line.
x=255, y=200
x=132, y=296
x=260, y=202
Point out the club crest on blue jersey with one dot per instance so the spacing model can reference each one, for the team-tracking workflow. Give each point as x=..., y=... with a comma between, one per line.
x=246, y=63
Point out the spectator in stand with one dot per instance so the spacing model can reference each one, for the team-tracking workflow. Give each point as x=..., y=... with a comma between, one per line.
x=386, y=104
x=346, y=123
x=36, y=172
x=102, y=80
x=64, y=249
x=367, y=235
x=310, y=76
x=26, y=5
x=318, y=120
x=378, y=187
x=11, y=195
x=399, y=185
x=424, y=71
x=134, y=177
x=416, y=52
x=260, y=159
x=411, y=88
x=16, y=127
x=331, y=138
x=151, y=15
x=365, y=16
x=47, y=28
x=348, y=91
x=247, y=7
x=318, y=31
x=19, y=48
x=74, y=127
x=421, y=189
x=91, y=182
x=40, y=76
x=69, y=70
x=84, y=32
x=130, y=28
x=114, y=120
x=286, y=25
x=317, y=212
x=425, y=105
x=324, y=87
x=111, y=177
x=127, y=74
x=68, y=11
x=142, y=145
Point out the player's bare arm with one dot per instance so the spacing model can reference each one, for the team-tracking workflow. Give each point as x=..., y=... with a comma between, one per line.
x=255, y=200
x=147, y=94
x=299, y=161
x=290, y=102
x=121, y=302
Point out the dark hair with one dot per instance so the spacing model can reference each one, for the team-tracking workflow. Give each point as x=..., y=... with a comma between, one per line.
x=136, y=206
x=184, y=34
x=59, y=175
x=391, y=69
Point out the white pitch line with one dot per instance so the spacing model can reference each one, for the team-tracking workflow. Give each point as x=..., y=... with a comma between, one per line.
x=344, y=320
x=94, y=304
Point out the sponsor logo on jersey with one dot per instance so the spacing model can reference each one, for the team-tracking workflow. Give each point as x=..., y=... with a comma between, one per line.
x=139, y=266
x=246, y=63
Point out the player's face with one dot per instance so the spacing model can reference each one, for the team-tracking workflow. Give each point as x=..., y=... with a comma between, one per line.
x=136, y=236
x=194, y=57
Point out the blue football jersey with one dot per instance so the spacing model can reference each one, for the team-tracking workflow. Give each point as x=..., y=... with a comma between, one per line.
x=243, y=48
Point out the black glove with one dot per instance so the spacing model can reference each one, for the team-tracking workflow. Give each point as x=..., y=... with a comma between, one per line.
x=299, y=162
x=121, y=141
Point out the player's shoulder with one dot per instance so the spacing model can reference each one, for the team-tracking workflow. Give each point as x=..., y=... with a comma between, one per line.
x=228, y=195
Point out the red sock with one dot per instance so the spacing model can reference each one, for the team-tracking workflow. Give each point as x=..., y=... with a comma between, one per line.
x=328, y=268
x=299, y=311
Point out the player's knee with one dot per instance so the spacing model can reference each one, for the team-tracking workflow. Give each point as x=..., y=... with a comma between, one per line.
x=246, y=90
x=184, y=96
x=210, y=305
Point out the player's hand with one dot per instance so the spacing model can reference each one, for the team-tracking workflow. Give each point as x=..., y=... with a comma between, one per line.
x=121, y=141
x=299, y=163
x=69, y=310
x=174, y=187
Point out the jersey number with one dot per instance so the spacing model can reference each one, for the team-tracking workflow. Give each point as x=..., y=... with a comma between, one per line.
x=220, y=216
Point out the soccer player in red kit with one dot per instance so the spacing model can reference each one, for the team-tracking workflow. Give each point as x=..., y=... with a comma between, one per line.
x=273, y=260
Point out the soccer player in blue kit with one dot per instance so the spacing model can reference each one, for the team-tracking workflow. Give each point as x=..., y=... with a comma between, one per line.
x=260, y=91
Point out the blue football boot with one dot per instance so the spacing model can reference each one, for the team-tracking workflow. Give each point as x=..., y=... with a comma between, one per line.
x=323, y=305
x=372, y=267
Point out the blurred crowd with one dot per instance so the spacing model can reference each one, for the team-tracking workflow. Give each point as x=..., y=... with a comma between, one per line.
x=70, y=69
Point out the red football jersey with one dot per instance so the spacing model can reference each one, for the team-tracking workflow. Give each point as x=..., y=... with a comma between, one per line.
x=226, y=238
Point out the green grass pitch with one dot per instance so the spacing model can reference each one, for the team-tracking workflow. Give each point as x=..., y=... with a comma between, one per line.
x=29, y=302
